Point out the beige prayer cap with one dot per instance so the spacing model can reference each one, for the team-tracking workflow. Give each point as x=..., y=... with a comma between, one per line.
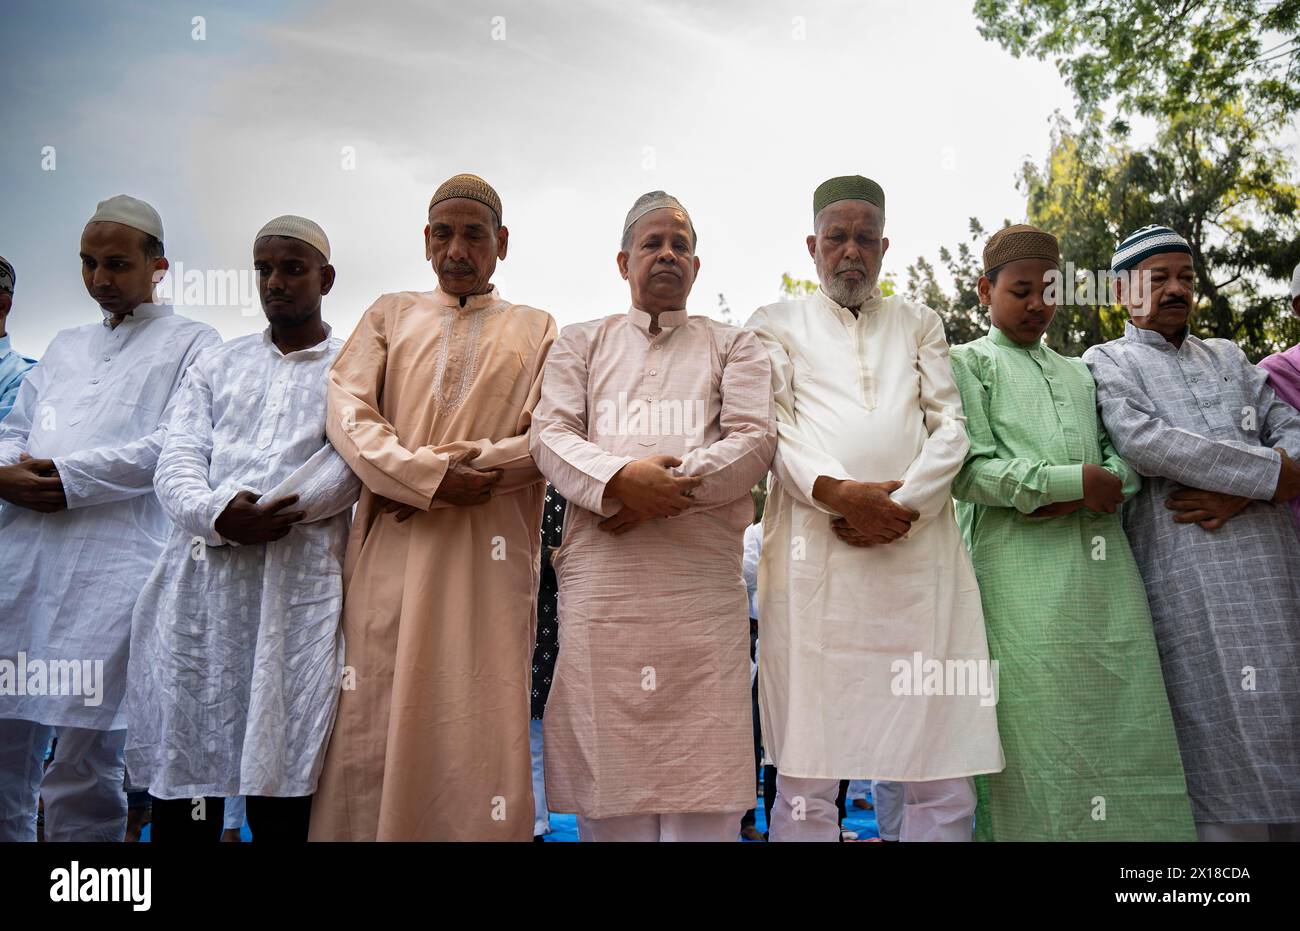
x=132, y=212
x=299, y=228
x=471, y=186
x=656, y=200
x=1021, y=241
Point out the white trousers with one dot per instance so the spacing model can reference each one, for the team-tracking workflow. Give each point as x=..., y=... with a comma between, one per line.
x=691, y=827
x=805, y=810
x=541, y=817
x=82, y=788
x=887, y=799
x=1211, y=832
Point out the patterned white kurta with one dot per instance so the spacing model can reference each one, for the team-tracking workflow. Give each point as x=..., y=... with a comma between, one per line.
x=98, y=405
x=236, y=651
x=849, y=635
x=1226, y=604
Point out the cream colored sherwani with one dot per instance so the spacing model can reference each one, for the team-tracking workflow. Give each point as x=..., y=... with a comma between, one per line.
x=431, y=741
x=649, y=712
x=848, y=633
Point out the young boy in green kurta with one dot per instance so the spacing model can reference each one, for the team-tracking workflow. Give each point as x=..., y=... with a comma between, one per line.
x=1085, y=723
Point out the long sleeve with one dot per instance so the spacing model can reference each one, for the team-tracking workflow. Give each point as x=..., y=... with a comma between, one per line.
x=986, y=479
x=1113, y=462
x=927, y=483
x=116, y=473
x=324, y=484
x=181, y=477
x=1155, y=448
x=17, y=425
x=798, y=462
x=578, y=468
x=360, y=432
x=732, y=465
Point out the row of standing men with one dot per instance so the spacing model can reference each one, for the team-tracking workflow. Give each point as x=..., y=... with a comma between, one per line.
x=179, y=537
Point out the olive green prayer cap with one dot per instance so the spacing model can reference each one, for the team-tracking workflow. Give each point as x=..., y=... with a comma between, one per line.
x=847, y=187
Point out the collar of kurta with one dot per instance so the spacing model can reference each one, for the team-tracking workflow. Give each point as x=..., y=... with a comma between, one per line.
x=1152, y=338
x=472, y=301
x=142, y=312
x=998, y=338
x=309, y=353
x=870, y=305
x=668, y=319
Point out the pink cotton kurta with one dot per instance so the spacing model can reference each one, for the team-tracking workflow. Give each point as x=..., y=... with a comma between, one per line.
x=650, y=707
x=1284, y=377
x=438, y=611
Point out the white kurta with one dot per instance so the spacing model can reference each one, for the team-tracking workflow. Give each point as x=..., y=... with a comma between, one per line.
x=97, y=404
x=871, y=399
x=236, y=651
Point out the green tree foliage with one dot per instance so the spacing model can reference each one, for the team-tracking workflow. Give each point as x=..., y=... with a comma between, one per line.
x=1218, y=98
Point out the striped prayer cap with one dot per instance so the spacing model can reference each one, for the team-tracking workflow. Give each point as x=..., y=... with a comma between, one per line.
x=1146, y=242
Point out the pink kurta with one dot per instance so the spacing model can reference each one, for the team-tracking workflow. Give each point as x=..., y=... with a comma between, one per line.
x=650, y=708
x=1284, y=377
x=431, y=742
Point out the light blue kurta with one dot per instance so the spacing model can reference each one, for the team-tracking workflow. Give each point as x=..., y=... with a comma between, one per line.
x=13, y=369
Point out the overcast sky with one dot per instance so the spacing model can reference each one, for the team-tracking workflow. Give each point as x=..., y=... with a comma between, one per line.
x=570, y=109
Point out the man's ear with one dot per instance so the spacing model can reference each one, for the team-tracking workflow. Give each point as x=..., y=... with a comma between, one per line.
x=503, y=241
x=622, y=263
x=985, y=289
x=884, y=247
x=428, y=244
x=326, y=279
x=160, y=266
x=812, y=245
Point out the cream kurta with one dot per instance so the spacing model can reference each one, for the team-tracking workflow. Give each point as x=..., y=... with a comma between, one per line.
x=438, y=611
x=649, y=711
x=845, y=630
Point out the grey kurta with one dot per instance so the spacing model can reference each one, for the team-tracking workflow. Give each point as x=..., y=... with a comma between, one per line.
x=1226, y=604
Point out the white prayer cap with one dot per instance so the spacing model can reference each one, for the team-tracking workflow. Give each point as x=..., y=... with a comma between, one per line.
x=132, y=212
x=299, y=228
x=656, y=200
x=1295, y=283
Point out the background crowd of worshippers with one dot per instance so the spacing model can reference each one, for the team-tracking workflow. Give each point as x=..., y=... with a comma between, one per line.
x=462, y=569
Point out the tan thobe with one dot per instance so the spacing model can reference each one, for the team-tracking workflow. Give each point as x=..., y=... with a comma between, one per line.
x=431, y=741
x=650, y=708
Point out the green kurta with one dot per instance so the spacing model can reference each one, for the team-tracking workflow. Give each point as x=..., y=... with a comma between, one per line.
x=1085, y=723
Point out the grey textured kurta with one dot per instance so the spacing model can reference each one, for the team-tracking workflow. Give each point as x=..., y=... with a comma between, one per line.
x=1226, y=604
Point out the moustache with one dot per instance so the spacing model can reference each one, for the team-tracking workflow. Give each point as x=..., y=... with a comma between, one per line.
x=457, y=268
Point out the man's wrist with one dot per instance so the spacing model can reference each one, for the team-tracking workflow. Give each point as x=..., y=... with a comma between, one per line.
x=827, y=490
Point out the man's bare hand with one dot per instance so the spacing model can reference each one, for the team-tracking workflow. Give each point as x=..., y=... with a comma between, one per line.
x=650, y=487
x=1288, y=479
x=867, y=508
x=1209, y=509
x=1103, y=490
x=465, y=485
x=1059, y=509
x=846, y=534
x=33, y=484
x=404, y=512
x=246, y=522
x=623, y=521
